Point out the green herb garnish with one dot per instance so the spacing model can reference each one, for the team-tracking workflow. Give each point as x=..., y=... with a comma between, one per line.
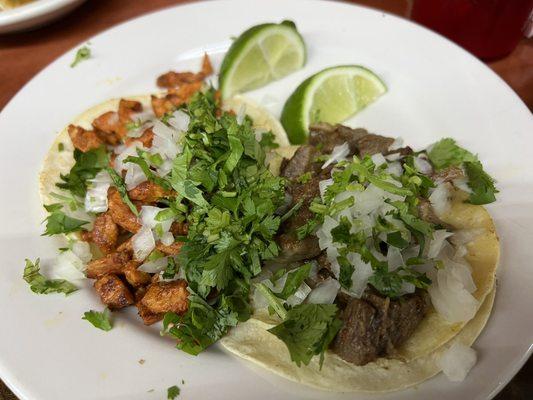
x=41, y=285
x=121, y=188
x=100, y=320
x=58, y=222
x=83, y=53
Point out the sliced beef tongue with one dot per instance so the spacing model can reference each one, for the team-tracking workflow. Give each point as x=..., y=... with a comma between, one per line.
x=374, y=326
x=326, y=137
x=301, y=162
x=373, y=144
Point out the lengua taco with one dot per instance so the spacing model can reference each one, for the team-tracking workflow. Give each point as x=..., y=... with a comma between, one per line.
x=350, y=263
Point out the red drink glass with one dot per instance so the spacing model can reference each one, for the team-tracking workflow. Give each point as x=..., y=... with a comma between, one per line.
x=490, y=29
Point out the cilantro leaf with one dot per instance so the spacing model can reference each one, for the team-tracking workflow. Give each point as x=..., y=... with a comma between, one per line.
x=100, y=320
x=446, y=152
x=307, y=331
x=345, y=274
x=200, y=327
x=58, y=222
x=268, y=141
x=294, y=279
x=83, y=53
x=171, y=269
x=173, y=392
x=39, y=284
x=150, y=175
x=396, y=239
x=273, y=301
x=482, y=185
x=304, y=178
x=121, y=187
x=85, y=167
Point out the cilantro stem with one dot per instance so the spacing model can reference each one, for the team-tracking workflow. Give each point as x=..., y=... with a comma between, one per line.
x=273, y=301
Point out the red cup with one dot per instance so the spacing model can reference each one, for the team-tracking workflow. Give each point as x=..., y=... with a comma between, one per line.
x=490, y=29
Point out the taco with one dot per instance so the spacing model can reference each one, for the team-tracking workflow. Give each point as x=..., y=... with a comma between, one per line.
x=351, y=248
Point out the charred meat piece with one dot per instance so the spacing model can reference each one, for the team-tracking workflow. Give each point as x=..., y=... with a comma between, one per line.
x=374, y=326
x=113, y=292
x=113, y=263
x=135, y=277
x=83, y=139
x=300, y=163
x=104, y=233
x=121, y=213
x=148, y=192
x=448, y=174
x=162, y=297
x=174, y=98
x=173, y=79
x=293, y=249
x=107, y=127
x=372, y=144
x=170, y=250
x=179, y=228
x=326, y=137
x=148, y=317
x=145, y=139
x=323, y=273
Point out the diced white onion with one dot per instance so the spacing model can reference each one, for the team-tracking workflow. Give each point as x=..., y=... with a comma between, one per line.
x=378, y=159
x=395, y=168
x=131, y=150
x=394, y=258
x=82, y=250
x=440, y=199
x=299, y=296
x=332, y=253
x=362, y=272
x=393, y=157
x=153, y=267
x=457, y=361
x=325, y=292
x=148, y=215
x=96, y=196
x=167, y=238
x=450, y=291
x=339, y=153
x=134, y=176
x=406, y=288
x=143, y=243
x=165, y=141
x=423, y=165
x=180, y=120
x=69, y=266
x=324, y=232
x=435, y=246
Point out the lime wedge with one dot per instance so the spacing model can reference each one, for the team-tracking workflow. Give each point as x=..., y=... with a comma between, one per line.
x=331, y=95
x=261, y=55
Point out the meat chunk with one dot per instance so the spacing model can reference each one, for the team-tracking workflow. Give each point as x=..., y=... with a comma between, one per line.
x=174, y=98
x=173, y=79
x=113, y=263
x=300, y=163
x=374, y=326
x=83, y=139
x=105, y=233
x=292, y=249
x=113, y=292
x=145, y=139
x=107, y=127
x=170, y=250
x=426, y=212
x=448, y=174
x=162, y=297
x=179, y=228
x=135, y=277
x=148, y=317
x=148, y=192
x=372, y=144
x=121, y=213
x=326, y=137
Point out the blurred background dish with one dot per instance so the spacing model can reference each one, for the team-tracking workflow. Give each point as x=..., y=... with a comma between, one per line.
x=20, y=15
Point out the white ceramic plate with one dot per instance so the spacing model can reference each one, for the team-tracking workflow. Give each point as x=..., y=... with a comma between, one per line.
x=34, y=14
x=435, y=89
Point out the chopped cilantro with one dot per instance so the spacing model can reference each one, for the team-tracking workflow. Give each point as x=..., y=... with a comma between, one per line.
x=268, y=141
x=100, y=320
x=83, y=53
x=482, y=185
x=121, y=187
x=304, y=178
x=58, y=222
x=39, y=284
x=171, y=269
x=294, y=279
x=173, y=392
x=86, y=166
x=446, y=152
x=307, y=330
x=150, y=175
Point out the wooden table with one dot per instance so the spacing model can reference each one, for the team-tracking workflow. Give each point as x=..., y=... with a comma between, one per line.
x=23, y=55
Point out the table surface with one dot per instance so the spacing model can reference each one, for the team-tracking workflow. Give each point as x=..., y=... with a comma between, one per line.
x=22, y=55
